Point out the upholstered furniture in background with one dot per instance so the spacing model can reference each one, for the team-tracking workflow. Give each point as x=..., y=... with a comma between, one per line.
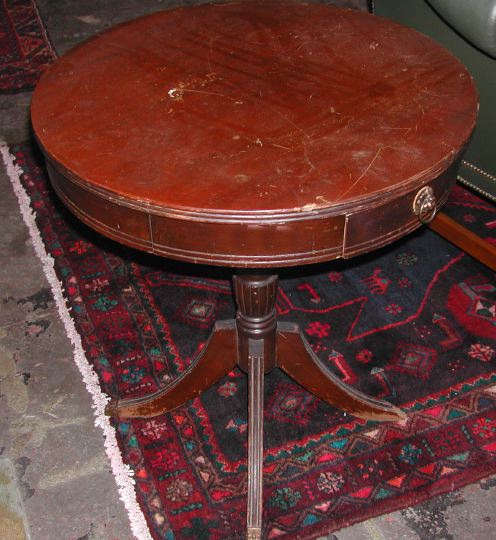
x=468, y=29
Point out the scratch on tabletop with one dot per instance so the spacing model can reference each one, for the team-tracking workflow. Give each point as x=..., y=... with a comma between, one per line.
x=364, y=172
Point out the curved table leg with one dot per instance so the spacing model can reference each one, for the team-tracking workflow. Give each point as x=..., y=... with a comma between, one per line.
x=217, y=358
x=296, y=359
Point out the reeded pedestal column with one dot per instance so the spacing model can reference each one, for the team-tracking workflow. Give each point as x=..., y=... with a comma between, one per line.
x=256, y=325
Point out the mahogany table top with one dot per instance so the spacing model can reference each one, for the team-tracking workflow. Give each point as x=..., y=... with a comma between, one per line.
x=251, y=112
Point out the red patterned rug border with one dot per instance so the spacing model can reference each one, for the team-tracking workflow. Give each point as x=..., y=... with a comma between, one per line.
x=35, y=60
x=441, y=487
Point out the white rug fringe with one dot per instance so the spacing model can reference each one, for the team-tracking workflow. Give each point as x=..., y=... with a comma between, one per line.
x=122, y=472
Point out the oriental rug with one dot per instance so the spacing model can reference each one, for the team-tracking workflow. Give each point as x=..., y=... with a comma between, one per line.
x=25, y=50
x=413, y=323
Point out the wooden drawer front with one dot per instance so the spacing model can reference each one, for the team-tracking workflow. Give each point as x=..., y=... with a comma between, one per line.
x=374, y=227
x=249, y=244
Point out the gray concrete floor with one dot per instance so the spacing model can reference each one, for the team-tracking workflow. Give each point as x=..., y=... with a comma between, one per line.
x=55, y=479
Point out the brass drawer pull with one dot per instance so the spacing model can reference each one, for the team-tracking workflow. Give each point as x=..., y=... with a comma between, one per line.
x=424, y=205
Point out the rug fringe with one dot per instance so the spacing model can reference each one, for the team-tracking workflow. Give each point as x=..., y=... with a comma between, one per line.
x=123, y=474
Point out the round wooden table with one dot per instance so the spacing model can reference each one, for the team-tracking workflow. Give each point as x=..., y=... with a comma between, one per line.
x=255, y=134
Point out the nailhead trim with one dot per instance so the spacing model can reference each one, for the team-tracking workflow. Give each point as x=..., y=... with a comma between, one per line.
x=475, y=188
x=480, y=171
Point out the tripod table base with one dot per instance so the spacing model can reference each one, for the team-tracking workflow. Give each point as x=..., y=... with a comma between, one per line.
x=257, y=344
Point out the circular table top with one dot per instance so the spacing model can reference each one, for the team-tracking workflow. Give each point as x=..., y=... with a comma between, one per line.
x=242, y=110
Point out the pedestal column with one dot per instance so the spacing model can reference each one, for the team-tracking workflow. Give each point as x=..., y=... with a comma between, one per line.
x=256, y=327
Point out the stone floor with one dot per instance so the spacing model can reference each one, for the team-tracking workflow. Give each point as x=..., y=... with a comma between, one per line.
x=55, y=479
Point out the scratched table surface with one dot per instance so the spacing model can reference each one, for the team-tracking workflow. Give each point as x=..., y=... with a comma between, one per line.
x=255, y=107
x=254, y=133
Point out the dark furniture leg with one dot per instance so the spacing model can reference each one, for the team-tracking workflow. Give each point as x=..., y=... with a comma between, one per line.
x=257, y=344
x=255, y=442
x=256, y=323
x=296, y=359
x=464, y=239
x=217, y=358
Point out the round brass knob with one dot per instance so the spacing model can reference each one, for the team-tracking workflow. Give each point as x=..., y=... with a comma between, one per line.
x=424, y=205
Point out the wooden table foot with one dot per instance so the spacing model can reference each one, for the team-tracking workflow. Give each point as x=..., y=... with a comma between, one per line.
x=296, y=359
x=216, y=360
x=253, y=533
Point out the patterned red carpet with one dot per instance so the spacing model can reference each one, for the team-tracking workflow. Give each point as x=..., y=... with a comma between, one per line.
x=414, y=324
x=25, y=50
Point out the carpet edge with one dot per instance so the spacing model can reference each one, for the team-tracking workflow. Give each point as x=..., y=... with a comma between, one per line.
x=122, y=473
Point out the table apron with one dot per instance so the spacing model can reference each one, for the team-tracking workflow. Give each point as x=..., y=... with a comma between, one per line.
x=312, y=239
